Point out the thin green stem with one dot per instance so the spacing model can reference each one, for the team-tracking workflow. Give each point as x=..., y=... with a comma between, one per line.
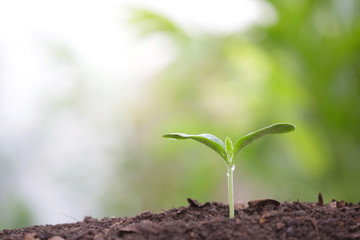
x=231, y=190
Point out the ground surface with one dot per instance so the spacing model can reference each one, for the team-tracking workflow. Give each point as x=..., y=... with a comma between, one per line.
x=261, y=219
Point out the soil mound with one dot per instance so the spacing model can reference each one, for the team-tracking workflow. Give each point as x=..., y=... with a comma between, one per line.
x=260, y=219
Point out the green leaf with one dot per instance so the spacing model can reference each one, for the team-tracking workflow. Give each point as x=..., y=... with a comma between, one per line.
x=209, y=140
x=151, y=22
x=272, y=129
x=229, y=149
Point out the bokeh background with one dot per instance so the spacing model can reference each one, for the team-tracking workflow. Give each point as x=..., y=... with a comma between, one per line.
x=87, y=89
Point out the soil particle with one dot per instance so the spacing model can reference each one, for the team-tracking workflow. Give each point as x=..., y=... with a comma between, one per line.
x=262, y=219
x=320, y=200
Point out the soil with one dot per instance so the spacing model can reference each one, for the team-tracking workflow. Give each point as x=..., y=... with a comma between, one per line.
x=260, y=219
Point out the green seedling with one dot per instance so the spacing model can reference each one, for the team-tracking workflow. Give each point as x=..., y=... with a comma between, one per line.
x=229, y=151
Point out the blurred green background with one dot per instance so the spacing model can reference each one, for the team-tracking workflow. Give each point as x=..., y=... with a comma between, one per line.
x=302, y=68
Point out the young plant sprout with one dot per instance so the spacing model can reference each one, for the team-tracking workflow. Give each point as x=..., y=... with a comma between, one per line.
x=229, y=151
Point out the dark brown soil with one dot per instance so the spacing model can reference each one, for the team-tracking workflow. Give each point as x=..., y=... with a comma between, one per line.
x=262, y=219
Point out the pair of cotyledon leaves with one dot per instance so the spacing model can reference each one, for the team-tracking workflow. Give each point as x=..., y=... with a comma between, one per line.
x=229, y=151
